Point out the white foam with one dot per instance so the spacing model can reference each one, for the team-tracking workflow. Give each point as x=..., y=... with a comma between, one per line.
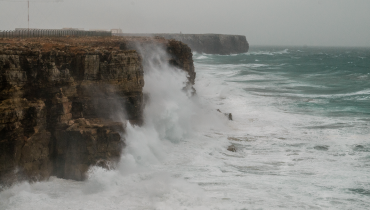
x=286, y=51
x=202, y=57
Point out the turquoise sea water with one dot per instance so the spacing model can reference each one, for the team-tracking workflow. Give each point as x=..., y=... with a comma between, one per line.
x=303, y=123
x=333, y=82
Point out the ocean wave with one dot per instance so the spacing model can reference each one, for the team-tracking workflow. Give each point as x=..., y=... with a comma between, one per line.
x=357, y=93
x=231, y=67
x=331, y=96
x=286, y=51
x=247, y=65
x=233, y=54
x=201, y=57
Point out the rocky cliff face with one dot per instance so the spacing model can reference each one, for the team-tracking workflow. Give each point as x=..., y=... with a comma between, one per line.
x=207, y=43
x=64, y=103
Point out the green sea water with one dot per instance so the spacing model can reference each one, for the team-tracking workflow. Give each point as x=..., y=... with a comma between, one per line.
x=301, y=124
x=333, y=82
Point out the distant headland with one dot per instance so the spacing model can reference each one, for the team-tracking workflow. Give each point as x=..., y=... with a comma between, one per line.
x=205, y=43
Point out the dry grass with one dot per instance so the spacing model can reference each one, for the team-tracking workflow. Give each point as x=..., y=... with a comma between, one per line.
x=73, y=44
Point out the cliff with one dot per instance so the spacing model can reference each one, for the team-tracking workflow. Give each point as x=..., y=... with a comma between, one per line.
x=207, y=43
x=59, y=100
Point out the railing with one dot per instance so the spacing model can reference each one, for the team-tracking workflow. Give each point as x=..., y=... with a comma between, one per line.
x=51, y=33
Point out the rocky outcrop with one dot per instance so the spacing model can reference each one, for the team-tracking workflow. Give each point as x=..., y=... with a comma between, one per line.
x=64, y=102
x=207, y=43
x=182, y=58
x=228, y=115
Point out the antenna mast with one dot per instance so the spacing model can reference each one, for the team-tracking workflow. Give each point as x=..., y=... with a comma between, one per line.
x=28, y=1
x=28, y=6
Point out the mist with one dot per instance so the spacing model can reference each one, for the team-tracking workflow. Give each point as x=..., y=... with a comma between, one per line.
x=264, y=22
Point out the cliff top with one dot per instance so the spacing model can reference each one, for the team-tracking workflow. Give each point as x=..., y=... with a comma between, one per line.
x=73, y=44
x=175, y=34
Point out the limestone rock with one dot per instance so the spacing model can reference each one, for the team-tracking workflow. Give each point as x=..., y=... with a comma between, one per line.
x=231, y=148
x=228, y=115
x=85, y=143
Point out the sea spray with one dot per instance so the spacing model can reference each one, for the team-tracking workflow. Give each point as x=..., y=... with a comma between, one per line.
x=171, y=114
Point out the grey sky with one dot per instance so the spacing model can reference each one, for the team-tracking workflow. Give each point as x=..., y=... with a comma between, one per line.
x=264, y=22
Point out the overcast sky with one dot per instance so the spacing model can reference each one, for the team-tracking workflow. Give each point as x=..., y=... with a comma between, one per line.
x=263, y=22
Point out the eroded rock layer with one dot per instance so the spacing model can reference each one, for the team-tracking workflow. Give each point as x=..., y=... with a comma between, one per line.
x=64, y=103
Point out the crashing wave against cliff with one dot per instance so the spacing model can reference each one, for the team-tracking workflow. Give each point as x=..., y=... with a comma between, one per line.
x=54, y=96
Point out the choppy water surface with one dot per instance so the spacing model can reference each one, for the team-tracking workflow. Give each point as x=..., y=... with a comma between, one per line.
x=302, y=119
x=301, y=129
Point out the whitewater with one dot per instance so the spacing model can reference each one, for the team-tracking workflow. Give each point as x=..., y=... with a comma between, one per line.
x=300, y=127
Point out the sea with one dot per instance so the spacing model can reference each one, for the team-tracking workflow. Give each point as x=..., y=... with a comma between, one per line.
x=300, y=138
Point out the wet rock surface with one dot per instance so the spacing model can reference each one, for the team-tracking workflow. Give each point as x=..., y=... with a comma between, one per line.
x=59, y=100
x=85, y=143
x=228, y=115
x=231, y=148
x=321, y=147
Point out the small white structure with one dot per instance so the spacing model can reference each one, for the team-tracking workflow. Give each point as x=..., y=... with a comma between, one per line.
x=116, y=31
x=74, y=29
